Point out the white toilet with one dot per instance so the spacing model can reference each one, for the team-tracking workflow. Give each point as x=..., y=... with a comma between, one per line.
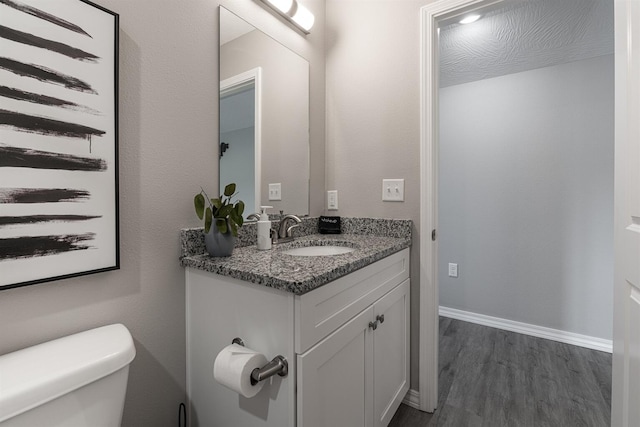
x=79, y=380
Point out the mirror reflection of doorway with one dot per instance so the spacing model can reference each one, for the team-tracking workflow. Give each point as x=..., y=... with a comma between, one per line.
x=239, y=149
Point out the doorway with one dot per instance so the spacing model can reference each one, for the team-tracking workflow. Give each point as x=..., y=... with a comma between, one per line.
x=240, y=136
x=433, y=16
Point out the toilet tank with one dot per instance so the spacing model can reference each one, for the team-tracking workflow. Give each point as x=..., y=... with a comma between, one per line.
x=78, y=380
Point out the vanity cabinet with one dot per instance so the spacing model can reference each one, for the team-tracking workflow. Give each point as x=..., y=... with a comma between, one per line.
x=358, y=375
x=347, y=366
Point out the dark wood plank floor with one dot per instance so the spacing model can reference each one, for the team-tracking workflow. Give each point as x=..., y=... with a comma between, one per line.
x=492, y=378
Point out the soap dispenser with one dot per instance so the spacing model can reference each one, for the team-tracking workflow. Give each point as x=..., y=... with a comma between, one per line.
x=264, y=229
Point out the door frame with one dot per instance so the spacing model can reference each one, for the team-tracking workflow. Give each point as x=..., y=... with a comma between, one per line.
x=624, y=408
x=430, y=16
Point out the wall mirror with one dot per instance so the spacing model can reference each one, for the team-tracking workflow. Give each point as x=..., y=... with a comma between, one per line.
x=264, y=119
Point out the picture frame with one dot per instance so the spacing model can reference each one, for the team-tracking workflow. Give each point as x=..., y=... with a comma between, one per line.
x=59, y=189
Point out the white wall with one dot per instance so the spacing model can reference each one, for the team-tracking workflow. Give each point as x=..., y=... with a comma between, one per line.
x=526, y=196
x=168, y=133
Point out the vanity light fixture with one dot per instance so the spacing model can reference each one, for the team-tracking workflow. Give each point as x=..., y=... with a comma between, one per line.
x=293, y=12
x=282, y=6
x=469, y=19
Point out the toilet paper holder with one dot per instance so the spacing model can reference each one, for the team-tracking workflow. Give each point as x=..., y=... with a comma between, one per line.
x=278, y=365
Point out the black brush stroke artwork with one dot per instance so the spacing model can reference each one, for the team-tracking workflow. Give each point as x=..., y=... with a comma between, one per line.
x=34, y=219
x=45, y=16
x=39, y=42
x=45, y=74
x=42, y=195
x=35, y=98
x=28, y=158
x=28, y=247
x=45, y=126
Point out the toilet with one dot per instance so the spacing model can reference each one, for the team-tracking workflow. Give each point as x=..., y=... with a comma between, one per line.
x=75, y=381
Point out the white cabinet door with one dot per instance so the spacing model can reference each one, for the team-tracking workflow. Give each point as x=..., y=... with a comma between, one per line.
x=335, y=377
x=391, y=353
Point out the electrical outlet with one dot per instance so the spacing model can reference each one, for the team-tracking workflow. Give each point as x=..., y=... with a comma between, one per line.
x=275, y=191
x=453, y=269
x=332, y=200
x=393, y=190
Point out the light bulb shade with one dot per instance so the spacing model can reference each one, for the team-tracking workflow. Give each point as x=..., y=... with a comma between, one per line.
x=292, y=11
x=283, y=6
x=303, y=17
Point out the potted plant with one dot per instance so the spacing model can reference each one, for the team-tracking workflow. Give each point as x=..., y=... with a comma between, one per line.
x=222, y=218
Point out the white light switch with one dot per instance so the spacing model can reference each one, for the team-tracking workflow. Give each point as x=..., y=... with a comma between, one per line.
x=332, y=200
x=393, y=190
x=453, y=269
x=275, y=191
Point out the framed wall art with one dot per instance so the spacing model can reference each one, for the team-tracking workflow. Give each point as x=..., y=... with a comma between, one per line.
x=58, y=140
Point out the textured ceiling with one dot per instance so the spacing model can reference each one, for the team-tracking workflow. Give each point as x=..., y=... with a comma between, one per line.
x=524, y=35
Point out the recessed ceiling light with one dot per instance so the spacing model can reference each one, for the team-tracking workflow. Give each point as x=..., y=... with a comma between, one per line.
x=469, y=19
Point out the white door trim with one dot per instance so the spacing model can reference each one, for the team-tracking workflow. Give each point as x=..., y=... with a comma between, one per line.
x=430, y=15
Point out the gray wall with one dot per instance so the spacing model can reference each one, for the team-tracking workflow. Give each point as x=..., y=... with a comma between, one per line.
x=238, y=164
x=373, y=117
x=526, y=196
x=168, y=104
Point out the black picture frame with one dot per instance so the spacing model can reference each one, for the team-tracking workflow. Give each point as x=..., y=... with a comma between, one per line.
x=59, y=189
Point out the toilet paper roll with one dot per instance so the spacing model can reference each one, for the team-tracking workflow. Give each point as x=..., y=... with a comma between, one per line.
x=233, y=366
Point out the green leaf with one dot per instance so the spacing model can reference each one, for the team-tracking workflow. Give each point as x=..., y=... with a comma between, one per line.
x=230, y=189
x=240, y=207
x=198, y=202
x=235, y=218
x=222, y=225
x=224, y=211
x=216, y=203
x=207, y=220
x=234, y=228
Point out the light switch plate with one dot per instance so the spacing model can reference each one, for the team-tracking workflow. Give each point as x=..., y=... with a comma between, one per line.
x=332, y=200
x=393, y=190
x=275, y=191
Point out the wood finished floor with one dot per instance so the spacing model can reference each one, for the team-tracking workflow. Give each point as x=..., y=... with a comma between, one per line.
x=491, y=378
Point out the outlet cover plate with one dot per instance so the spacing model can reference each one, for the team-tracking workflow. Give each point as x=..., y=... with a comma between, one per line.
x=393, y=190
x=453, y=269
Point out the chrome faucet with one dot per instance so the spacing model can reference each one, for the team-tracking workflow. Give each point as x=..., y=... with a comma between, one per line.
x=284, y=231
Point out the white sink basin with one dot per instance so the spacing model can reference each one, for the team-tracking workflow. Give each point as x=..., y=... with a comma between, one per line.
x=318, y=251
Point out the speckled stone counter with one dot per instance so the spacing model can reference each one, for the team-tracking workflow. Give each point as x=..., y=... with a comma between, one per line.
x=372, y=239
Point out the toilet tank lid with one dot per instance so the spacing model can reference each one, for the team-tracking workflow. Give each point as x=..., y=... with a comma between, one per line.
x=38, y=374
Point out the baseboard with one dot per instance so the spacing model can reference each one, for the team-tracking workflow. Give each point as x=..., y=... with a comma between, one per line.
x=528, y=329
x=412, y=398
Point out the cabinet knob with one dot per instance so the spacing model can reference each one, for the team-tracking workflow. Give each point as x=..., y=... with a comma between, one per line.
x=373, y=325
x=380, y=318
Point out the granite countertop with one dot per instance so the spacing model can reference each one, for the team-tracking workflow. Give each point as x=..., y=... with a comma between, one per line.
x=372, y=241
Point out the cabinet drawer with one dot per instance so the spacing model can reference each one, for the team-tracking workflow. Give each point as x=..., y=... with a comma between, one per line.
x=323, y=310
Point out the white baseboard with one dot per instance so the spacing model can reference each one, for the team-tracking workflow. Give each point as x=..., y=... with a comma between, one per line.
x=412, y=398
x=528, y=329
